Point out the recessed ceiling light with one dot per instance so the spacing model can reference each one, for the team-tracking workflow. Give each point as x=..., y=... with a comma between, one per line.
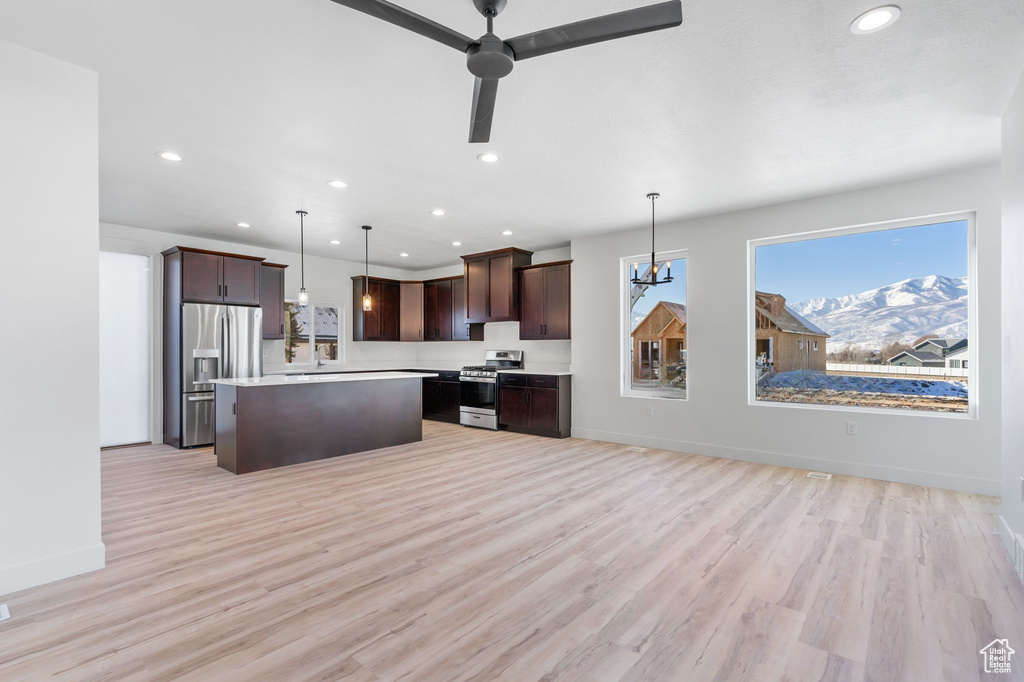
x=438, y=212
x=404, y=255
x=335, y=241
x=456, y=243
x=169, y=156
x=243, y=224
x=489, y=157
x=875, y=20
x=338, y=184
x=507, y=233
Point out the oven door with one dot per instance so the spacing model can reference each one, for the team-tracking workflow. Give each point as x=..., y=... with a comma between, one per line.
x=479, y=395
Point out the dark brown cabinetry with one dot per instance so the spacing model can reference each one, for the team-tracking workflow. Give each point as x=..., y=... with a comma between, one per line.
x=441, y=397
x=437, y=310
x=381, y=322
x=272, y=299
x=544, y=312
x=538, y=404
x=214, y=277
x=461, y=329
x=491, y=285
x=411, y=312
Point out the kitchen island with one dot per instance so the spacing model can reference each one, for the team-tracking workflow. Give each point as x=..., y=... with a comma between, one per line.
x=274, y=421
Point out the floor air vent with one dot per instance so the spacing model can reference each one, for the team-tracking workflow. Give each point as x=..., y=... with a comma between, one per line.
x=636, y=449
x=818, y=475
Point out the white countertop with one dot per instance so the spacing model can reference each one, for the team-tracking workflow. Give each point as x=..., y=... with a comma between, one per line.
x=545, y=372
x=284, y=380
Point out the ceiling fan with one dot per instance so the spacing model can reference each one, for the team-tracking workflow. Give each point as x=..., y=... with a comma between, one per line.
x=490, y=58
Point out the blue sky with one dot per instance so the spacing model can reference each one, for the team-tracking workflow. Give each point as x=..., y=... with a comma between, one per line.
x=840, y=266
x=674, y=291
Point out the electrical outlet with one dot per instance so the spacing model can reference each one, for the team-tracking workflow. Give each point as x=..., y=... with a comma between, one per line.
x=4, y=612
x=851, y=428
x=650, y=410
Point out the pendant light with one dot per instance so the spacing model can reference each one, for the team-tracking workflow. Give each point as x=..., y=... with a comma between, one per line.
x=367, y=301
x=654, y=281
x=303, y=294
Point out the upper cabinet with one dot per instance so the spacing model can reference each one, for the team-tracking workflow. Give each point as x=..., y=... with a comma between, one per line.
x=437, y=310
x=544, y=312
x=381, y=322
x=272, y=300
x=214, y=277
x=411, y=312
x=491, y=285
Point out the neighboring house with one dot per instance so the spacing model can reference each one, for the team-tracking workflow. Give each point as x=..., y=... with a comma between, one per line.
x=957, y=359
x=932, y=353
x=659, y=341
x=785, y=340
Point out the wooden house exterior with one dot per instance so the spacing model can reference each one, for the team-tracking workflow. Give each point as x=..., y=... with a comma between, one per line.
x=659, y=340
x=785, y=341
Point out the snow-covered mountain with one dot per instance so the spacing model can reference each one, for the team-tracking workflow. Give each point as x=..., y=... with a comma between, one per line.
x=906, y=310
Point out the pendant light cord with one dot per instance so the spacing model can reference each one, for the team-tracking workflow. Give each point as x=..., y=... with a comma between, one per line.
x=302, y=249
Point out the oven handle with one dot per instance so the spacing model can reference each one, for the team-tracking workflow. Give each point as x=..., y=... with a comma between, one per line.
x=479, y=380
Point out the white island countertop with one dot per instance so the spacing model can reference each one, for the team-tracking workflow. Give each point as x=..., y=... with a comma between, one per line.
x=286, y=380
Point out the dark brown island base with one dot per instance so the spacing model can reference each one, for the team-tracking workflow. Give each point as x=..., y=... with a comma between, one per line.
x=276, y=421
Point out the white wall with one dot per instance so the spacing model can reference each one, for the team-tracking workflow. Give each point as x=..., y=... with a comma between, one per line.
x=717, y=420
x=1013, y=315
x=49, y=421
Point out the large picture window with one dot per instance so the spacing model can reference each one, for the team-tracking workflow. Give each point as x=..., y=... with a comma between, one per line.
x=655, y=327
x=867, y=318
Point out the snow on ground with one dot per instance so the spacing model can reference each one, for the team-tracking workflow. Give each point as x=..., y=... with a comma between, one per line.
x=861, y=384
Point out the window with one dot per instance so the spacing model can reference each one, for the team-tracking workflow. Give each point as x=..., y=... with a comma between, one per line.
x=311, y=333
x=655, y=328
x=885, y=306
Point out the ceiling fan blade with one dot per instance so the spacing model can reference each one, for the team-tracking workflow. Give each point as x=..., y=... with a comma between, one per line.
x=393, y=14
x=611, y=26
x=484, y=93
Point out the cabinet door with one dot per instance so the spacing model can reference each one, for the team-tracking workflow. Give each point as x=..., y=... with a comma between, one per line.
x=201, y=275
x=411, y=314
x=460, y=328
x=513, y=410
x=372, y=327
x=442, y=313
x=500, y=277
x=543, y=404
x=477, y=291
x=241, y=281
x=431, y=398
x=430, y=311
x=531, y=304
x=272, y=301
x=451, y=398
x=557, y=296
x=390, y=307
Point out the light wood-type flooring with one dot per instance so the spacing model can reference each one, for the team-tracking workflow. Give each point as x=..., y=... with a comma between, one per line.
x=493, y=556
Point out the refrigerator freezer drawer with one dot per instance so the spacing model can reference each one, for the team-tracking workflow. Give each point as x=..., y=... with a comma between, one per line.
x=196, y=419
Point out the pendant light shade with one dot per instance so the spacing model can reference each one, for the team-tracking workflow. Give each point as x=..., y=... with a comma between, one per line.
x=653, y=281
x=303, y=294
x=367, y=301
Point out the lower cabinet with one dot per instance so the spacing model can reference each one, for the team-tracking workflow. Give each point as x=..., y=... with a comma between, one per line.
x=538, y=404
x=441, y=397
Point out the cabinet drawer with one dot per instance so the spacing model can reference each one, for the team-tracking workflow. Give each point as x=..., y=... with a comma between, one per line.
x=542, y=381
x=447, y=376
x=512, y=379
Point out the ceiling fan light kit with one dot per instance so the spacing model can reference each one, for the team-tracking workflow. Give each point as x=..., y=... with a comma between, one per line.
x=490, y=58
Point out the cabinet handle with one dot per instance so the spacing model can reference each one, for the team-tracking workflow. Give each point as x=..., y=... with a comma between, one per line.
x=225, y=290
x=282, y=328
x=218, y=290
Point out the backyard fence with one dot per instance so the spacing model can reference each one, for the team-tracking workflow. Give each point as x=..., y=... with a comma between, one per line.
x=946, y=372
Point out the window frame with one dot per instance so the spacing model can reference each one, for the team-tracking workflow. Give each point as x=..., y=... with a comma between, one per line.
x=626, y=389
x=311, y=356
x=973, y=331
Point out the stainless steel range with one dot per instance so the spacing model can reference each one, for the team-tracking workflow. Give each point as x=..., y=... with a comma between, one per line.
x=479, y=388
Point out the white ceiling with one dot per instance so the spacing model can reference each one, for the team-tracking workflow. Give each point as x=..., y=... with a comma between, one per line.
x=747, y=103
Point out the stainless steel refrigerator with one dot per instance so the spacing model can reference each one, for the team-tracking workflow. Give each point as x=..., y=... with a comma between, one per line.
x=217, y=342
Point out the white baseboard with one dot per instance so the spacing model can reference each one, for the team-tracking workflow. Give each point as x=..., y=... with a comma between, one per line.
x=932, y=479
x=52, y=568
x=1006, y=535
